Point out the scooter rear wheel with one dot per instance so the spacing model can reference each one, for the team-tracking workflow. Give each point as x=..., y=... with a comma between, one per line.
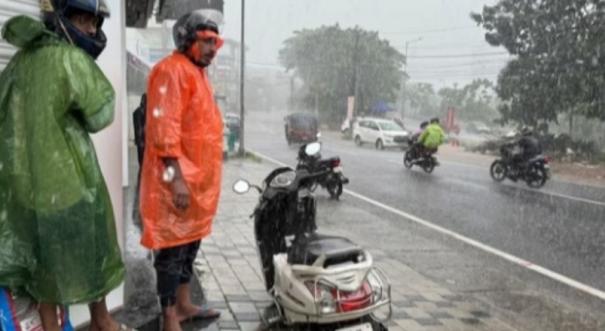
x=536, y=177
x=428, y=166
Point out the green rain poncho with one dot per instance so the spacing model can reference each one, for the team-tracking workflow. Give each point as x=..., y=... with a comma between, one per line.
x=57, y=231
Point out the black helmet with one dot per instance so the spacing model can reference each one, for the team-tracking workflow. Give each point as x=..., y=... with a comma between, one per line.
x=56, y=16
x=435, y=120
x=186, y=27
x=424, y=124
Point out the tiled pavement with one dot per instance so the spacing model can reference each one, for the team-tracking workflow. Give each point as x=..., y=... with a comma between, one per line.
x=229, y=272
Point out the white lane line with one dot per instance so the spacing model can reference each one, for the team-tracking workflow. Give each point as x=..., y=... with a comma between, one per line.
x=539, y=191
x=593, y=186
x=447, y=179
x=565, y=196
x=486, y=248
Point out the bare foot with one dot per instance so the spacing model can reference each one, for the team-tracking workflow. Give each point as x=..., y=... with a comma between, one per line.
x=105, y=324
x=101, y=320
x=171, y=320
x=185, y=312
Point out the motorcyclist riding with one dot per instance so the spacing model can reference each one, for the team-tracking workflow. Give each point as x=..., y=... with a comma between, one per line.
x=528, y=147
x=420, y=130
x=432, y=137
x=415, y=145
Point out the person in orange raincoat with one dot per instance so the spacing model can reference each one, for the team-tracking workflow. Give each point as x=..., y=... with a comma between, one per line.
x=181, y=175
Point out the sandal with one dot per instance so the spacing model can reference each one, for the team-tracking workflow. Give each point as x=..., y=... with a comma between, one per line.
x=205, y=313
x=124, y=327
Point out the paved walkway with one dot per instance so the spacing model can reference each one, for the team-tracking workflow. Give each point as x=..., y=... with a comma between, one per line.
x=229, y=272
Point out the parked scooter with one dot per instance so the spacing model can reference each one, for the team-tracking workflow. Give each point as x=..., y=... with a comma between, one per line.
x=333, y=180
x=317, y=282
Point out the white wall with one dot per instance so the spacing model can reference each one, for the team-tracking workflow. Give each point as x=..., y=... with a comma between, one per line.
x=111, y=148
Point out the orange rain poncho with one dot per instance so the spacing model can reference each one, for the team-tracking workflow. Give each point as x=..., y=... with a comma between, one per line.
x=183, y=122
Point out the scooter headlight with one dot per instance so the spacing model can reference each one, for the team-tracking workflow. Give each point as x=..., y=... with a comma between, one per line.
x=284, y=179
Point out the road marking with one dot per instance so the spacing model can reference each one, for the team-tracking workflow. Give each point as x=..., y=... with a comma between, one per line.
x=486, y=248
x=541, y=191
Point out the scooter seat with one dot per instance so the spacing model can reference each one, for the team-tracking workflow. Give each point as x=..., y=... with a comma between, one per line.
x=306, y=250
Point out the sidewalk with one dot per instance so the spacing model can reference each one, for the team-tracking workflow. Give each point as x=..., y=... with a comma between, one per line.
x=230, y=275
x=438, y=284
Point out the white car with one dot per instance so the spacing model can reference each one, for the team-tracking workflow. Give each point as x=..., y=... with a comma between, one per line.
x=380, y=132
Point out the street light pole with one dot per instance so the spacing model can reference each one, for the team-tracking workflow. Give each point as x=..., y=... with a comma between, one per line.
x=407, y=43
x=242, y=149
x=403, y=82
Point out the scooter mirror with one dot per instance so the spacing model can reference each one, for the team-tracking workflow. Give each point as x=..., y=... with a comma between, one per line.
x=312, y=148
x=241, y=186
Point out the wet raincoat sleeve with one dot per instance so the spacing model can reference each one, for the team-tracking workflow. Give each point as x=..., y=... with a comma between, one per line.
x=423, y=136
x=92, y=97
x=441, y=136
x=166, y=104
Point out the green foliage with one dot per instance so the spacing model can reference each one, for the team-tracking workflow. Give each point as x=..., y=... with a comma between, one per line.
x=559, y=64
x=330, y=59
x=474, y=101
x=422, y=99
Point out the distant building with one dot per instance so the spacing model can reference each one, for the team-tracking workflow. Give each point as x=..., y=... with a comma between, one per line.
x=155, y=42
x=170, y=9
x=138, y=12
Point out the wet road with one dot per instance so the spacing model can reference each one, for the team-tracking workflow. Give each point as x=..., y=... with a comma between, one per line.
x=560, y=227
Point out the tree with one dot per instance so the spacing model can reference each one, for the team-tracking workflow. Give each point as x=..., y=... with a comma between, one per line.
x=474, y=101
x=559, y=64
x=331, y=60
x=422, y=99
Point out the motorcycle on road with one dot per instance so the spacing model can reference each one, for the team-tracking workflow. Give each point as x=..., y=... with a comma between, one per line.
x=333, y=178
x=417, y=155
x=535, y=172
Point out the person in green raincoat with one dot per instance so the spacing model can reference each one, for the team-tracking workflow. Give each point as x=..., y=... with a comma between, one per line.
x=58, y=239
x=432, y=137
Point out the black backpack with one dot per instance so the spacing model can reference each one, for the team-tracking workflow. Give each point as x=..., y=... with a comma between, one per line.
x=138, y=120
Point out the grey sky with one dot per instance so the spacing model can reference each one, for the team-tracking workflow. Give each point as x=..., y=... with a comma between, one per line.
x=443, y=25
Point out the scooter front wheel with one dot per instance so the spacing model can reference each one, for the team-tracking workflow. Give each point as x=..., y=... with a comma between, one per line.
x=498, y=171
x=407, y=160
x=335, y=189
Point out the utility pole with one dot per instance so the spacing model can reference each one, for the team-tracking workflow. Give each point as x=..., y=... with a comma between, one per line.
x=403, y=80
x=407, y=43
x=291, y=101
x=242, y=149
x=356, y=75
